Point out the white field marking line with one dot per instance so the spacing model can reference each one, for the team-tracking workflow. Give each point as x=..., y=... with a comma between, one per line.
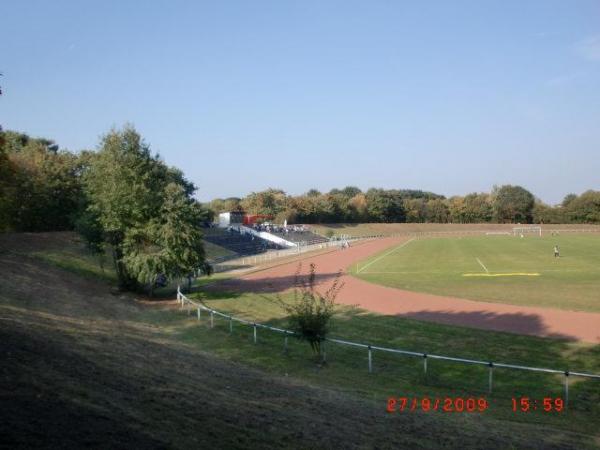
x=482, y=265
x=384, y=255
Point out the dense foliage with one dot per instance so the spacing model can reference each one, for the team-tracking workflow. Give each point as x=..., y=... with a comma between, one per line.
x=143, y=210
x=504, y=204
x=40, y=188
x=121, y=198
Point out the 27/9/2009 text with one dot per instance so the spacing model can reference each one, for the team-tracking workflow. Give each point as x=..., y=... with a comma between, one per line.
x=446, y=404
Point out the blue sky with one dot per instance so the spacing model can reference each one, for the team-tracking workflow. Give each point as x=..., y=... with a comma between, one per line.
x=451, y=97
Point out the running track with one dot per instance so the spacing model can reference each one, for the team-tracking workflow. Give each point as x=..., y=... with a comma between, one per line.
x=546, y=322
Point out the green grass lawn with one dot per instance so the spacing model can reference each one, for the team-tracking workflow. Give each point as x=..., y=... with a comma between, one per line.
x=216, y=251
x=395, y=375
x=438, y=266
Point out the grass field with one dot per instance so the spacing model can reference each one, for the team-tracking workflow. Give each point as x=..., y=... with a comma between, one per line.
x=345, y=373
x=346, y=368
x=501, y=269
x=386, y=229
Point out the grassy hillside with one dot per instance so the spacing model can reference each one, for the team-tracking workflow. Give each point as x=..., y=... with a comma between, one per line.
x=498, y=268
x=146, y=374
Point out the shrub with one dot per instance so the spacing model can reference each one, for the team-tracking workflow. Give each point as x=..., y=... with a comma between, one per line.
x=310, y=312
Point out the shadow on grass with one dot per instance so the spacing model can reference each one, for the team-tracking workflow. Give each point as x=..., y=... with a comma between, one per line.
x=397, y=375
x=518, y=323
x=270, y=284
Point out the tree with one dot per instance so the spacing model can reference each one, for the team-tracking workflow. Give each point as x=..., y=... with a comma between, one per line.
x=170, y=244
x=513, y=204
x=140, y=204
x=310, y=313
x=41, y=184
x=220, y=205
x=271, y=201
x=543, y=213
x=437, y=211
x=350, y=191
x=568, y=199
x=415, y=209
x=385, y=206
x=585, y=208
x=478, y=208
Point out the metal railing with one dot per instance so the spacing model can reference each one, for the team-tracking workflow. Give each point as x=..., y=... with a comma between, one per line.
x=228, y=264
x=183, y=300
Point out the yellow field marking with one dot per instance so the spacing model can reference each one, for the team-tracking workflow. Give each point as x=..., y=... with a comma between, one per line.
x=515, y=274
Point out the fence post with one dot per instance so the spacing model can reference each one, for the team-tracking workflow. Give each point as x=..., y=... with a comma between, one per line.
x=567, y=388
x=370, y=360
x=199, y=313
x=285, y=344
x=425, y=364
x=323, y=354
x=231, y=325
x=490, y=377
x=255, y=333
x=212, y=319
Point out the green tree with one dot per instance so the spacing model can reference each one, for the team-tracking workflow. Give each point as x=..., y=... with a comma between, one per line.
x=478, y=208
x=568, y=199
x=585, y=208
x=170, y=243
x=41, y=185
x=543, y=213
x=385, y=206
x=271, y=201
x=513, y=204
x=133, y=198
x=437, y=211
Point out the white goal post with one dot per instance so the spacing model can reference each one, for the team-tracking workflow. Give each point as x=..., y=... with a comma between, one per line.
x=522, y=231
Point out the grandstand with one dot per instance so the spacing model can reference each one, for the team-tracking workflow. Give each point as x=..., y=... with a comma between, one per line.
x=305, y=237
x=235, y=244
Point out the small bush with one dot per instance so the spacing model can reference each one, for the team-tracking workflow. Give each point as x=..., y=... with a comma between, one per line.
x=310, y=312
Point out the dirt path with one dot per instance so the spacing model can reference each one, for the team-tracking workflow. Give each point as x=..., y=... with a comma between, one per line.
x=546, y=322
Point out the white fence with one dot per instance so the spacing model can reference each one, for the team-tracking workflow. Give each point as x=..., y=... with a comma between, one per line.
x=183, y=300
x=275, y=254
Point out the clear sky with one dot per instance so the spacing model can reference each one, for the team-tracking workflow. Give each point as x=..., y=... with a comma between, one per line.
x=447, y=96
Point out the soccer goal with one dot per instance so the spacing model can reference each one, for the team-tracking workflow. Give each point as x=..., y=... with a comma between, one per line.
x=524, y=231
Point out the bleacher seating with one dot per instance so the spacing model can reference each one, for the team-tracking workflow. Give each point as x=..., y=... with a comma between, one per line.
x=299, y=234
x=240, y=244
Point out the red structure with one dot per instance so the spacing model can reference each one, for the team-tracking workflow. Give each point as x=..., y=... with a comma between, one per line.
x=251, y=219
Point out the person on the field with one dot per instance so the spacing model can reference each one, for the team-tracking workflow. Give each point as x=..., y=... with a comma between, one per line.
x=556, y=252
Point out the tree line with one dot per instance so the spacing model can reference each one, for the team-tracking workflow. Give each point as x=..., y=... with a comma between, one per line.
x=126, y=201
x=503, y=204
x=122, y=199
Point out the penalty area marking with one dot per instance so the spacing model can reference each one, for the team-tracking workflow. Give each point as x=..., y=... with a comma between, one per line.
x=482, y=265
x=384, y=255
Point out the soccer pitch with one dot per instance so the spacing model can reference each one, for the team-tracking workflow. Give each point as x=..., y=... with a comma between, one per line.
x=502, y=269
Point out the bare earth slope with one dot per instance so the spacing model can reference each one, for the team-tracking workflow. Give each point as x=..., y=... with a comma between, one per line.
x=545, y=322
x=80, y=368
